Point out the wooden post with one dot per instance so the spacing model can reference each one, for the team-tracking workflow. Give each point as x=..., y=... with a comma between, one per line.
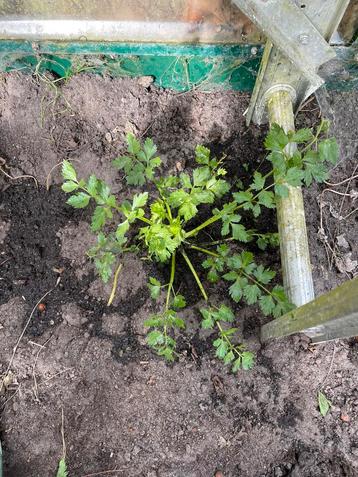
x=295, y=259
x=330, y=316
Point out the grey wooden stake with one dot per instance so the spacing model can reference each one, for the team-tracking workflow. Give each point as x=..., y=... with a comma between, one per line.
x=330, y=316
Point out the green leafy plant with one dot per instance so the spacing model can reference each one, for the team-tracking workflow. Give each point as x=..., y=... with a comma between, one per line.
x=165, y=223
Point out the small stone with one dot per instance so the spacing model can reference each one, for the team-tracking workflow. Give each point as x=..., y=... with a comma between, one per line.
x=345, y=417
x=108, y=137
x=145, y=81
x=136, y=450
x=127, y=457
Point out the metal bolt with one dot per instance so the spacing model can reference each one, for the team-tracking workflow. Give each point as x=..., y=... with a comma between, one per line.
x=303, y=39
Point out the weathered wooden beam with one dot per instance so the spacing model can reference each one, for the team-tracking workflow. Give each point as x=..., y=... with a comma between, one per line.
x=295, y=256
x=328, y=317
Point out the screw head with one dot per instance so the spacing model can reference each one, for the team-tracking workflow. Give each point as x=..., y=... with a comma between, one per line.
x=303, y=38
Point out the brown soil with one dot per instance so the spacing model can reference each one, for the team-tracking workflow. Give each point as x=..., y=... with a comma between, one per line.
x=124, y=408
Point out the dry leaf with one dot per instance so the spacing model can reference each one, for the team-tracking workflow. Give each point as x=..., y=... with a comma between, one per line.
x=342, y=242
x=345, y=264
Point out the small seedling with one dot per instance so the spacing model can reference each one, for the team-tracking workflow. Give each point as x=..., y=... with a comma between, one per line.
x=323, y=403
x=62, y=469
x=164, y=223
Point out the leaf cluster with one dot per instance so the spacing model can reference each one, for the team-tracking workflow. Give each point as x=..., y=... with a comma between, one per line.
x=230, y=353
x=158, y=225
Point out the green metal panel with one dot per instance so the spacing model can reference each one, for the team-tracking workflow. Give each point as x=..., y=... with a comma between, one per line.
x=180, y=67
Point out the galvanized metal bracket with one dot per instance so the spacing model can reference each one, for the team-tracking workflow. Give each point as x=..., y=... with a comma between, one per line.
x=296, y=49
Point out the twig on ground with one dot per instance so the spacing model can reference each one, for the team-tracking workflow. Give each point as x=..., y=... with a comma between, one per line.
x=34, y=366
x=115, y=284
x=23, y=176
x=105, y=472
x=53, y=168
x=330, y=366
x=24, y=331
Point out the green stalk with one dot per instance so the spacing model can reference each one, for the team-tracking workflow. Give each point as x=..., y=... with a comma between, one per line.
x=171, y=280
x=204, y=250
x=256, y=282
x=217, y=217
x=232, y=347
x=193, y=271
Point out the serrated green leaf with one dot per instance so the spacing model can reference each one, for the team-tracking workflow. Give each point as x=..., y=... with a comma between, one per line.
x=178, y=198
x=104, y=264
x=217, y=342
x=68, y=171
x=224, y=313
x=122, y=229
x=259, y=181
x=155, y=338
x=251, y=294
x=243, y=196
x=229, y=357
x=201, y=176
x=98, y=218
x=202, y=155
x=247, y=360
x=267, y=305
x=222, y=349
x=123, y=162
x=237, y=365
x=239, y=233
x=302, y=135
x=69, y=186
x=188, y=210
x=79, y=201
x=264, y=275
x=92, y=185
x=139, y=200
x=136, y=175
x=236, y=290
x=213, y=276
x=230, y=276
x=179, y=302
x=203, y=197
x=323, y=403
x=219, y=187
x=281, y=190
x=154, y=287
x=328, y=150
x=267, y=199
x=149, y=148
x=134, y=146
x=276, y=140
x=185, y=181
x=294, y=177
x=207, y=324
x=62, y=468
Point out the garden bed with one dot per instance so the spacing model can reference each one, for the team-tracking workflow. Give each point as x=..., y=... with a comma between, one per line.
x=124, y=408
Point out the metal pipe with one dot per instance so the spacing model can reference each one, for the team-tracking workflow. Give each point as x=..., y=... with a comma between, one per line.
x=295, y=260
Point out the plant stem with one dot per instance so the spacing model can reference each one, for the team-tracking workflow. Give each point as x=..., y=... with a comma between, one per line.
x=256, y=282
x=193, y=271
x=218, y=242
x=115, y=283
x=217, y=217
x=204, y=250
x=144, y=219
x=171, y=280
x=232, y=347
